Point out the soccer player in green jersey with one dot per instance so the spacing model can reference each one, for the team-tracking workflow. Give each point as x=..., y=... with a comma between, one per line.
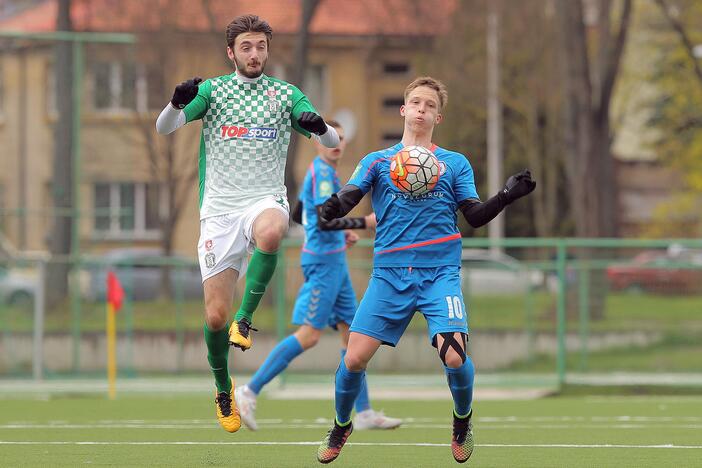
x=247, y=120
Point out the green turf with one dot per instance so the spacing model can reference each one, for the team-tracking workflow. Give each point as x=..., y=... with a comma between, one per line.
x=673, y=353
x=508, y=433
x=624, y=312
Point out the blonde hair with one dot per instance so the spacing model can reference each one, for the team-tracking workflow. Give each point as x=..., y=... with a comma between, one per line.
x=432, y=83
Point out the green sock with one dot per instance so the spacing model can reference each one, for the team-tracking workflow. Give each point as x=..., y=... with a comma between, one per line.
x=258, y=275
x=217, y=355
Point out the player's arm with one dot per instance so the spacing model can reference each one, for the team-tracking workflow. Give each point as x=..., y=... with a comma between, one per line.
x=189, y=101
x=334, y=224
x=479, y=213
x=362, y=180
x=307, y=121
x=340, y=203
x=339, y=224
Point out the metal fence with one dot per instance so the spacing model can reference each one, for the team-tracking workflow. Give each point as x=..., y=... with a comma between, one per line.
x=570, y=310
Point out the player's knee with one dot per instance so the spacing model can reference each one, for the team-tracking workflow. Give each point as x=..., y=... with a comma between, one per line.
x=308, y=338
x=216, y=316
x=452, y=351
x=269, y=236
x=454, y=360
x=354, y=362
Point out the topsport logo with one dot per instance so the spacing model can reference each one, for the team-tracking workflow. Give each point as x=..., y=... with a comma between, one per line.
x=257, y=133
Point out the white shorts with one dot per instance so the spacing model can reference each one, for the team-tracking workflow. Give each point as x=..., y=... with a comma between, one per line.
x=227, y=240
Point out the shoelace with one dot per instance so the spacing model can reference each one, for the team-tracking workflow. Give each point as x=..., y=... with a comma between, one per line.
x=225, y=403
x=460, y=429
x=244, y=327
x=336, y=436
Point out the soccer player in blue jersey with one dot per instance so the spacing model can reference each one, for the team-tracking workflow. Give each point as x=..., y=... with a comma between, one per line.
x=327, y=297
x=417, y=258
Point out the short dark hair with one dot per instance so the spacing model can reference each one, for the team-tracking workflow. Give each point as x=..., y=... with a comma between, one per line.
x=248, y=23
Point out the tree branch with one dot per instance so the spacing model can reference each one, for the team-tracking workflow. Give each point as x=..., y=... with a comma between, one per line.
x=612, y=69
x=684, y=38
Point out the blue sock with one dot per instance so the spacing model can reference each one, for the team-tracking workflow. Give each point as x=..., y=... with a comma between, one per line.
x=276, y=362
x=348, y=384
x=460, y=381
x=362, y=400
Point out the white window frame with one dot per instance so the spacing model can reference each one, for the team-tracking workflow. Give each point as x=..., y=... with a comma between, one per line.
x=115, y=232
x=116, y=106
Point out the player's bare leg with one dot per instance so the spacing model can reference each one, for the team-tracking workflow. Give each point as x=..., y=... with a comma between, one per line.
x=349, y=377
x=219, y=294
x=459, y=371
x=269, y=228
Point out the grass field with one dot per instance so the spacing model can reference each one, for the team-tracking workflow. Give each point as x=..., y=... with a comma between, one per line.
x=153, y=430
x=624, y=312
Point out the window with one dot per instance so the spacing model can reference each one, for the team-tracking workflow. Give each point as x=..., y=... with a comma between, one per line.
x=316, y=87
x=396, y=68
x=122, y=86
x=128, y=209
x=390, y=138
x=392, y=104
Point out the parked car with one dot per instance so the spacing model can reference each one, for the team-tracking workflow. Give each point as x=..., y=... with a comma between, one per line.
x=17, y=286
x=139, y=271
x=490, y=273
x=658, y=272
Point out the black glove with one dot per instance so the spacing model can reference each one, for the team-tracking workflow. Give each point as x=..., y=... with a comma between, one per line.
x=312, y=123
x=185, y=92
x=331, y=209
x=517, y=186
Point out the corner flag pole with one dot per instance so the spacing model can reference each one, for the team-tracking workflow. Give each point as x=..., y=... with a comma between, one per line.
x=111, y=354
x=115, y=296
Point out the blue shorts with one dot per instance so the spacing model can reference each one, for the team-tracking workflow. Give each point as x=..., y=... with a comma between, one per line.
x=326, y=298
x=395, y=293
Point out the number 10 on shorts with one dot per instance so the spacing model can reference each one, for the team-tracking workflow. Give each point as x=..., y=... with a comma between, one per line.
x=455, y=307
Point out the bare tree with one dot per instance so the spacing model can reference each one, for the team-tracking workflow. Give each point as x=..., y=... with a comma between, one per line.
x=298, y=79
x=589, y=77
x=62, y=182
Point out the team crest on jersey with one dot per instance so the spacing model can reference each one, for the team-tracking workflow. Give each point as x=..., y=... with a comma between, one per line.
x=208, y=244
x=325, y=189
x=210, y=260
x=273, y=104
x=442, y=168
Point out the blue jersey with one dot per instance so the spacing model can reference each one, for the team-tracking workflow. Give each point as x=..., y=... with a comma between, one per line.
x=320, y=246
x=416, y=231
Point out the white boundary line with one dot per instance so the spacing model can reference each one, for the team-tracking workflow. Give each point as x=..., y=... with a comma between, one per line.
x=364, y=444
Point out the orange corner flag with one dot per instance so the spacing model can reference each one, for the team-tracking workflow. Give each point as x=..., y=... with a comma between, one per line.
x=115, y=293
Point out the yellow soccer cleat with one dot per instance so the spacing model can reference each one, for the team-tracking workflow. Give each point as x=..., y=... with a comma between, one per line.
x=227, y=412
x=240, y=335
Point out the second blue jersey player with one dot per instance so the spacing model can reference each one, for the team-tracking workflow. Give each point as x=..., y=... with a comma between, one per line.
x=326, y=299
x=416, y=265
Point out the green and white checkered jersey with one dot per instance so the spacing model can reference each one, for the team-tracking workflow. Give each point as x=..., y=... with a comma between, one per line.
x=246, y=129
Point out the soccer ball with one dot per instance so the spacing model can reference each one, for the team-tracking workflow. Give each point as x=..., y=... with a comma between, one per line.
x=414, y=170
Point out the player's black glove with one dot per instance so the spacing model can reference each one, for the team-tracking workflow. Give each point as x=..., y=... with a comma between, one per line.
x=517, y=186
x=331, y=209
x=312, y=123
x=185, y=92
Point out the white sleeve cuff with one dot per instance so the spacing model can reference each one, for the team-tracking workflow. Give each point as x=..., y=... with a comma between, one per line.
x=330, y=138
x=170, y=120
